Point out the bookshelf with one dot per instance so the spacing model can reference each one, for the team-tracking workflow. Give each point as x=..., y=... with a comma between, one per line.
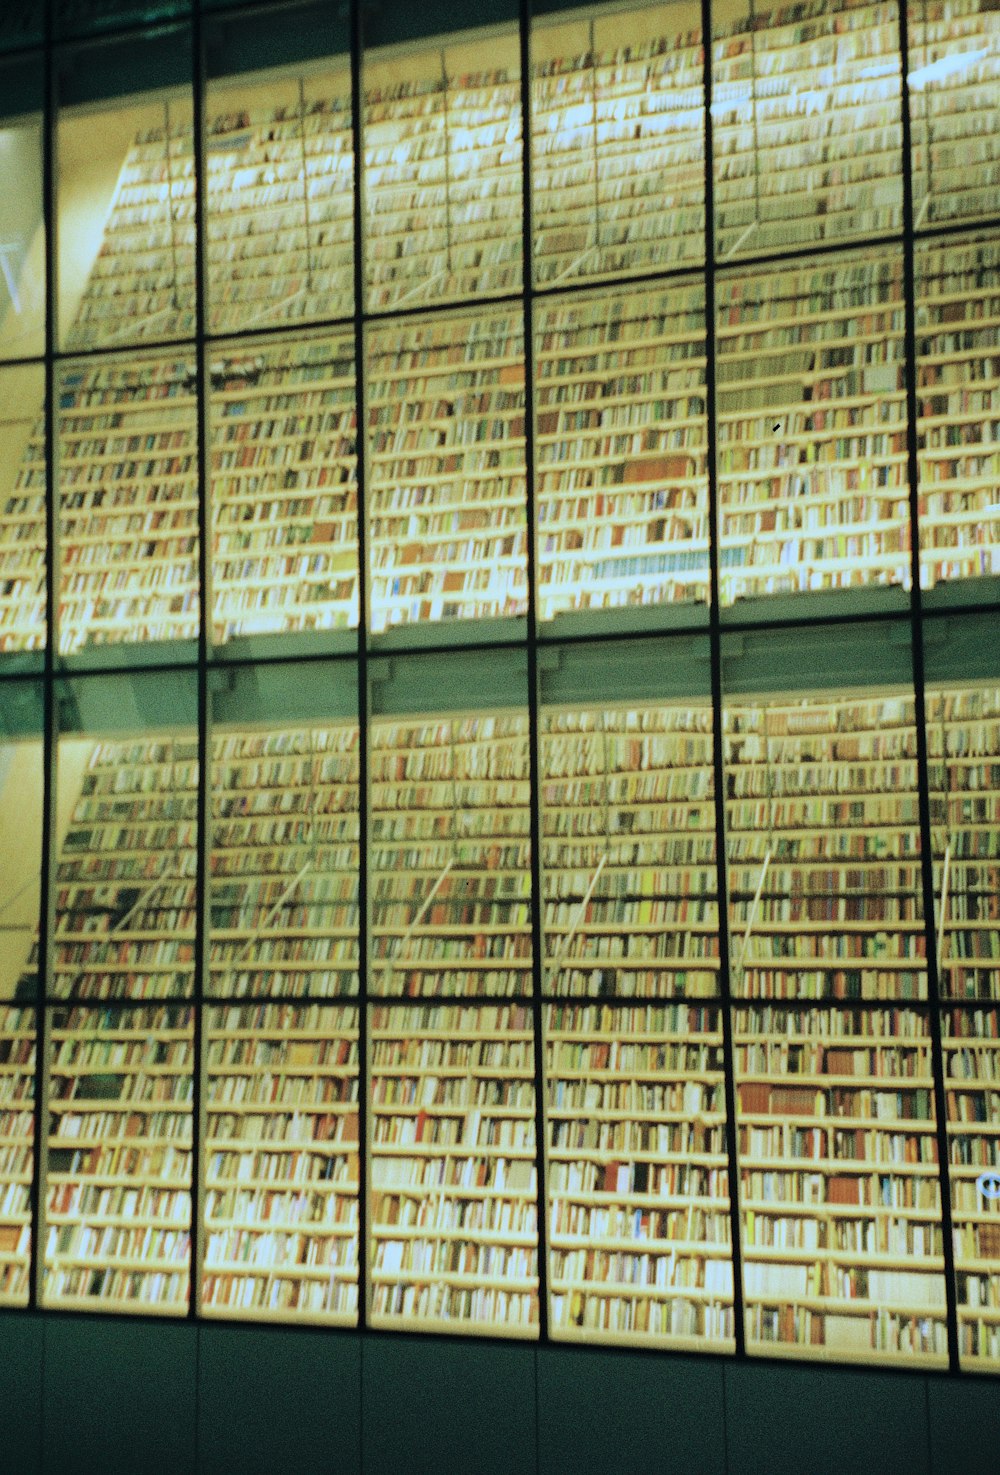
x=442, y=171
x=953, y=77
x=449, y=859
x=824, y=849
x=637, y=1179
x=446, y=480
x=283, y=465
x=282, y=1163
x=628, y=852
x=795, y=87
x=812, y=428
x=452, y=1163
x=22, y=521
x=958, y=388
x=620, y=449
x=118, y=1159
x=17, y=1094
x=607, y=90
x=839, y=1189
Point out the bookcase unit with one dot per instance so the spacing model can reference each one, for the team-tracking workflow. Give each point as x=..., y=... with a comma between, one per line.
x=452, y=1164
x=605, y=91
x=812, y=427
x=119, y=1159
x=17, y=1132
x=620, y=449
x=795, y=88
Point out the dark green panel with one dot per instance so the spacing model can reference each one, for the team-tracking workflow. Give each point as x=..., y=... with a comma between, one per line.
x=817, y=658
x=965, y=1425
x=602, y=1412
x=272, y=1400
x=20, y=1423
x=443, y=1407
x=824, y=1421
x=118, y=1397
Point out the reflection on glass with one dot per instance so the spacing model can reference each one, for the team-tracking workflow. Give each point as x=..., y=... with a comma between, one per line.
x=22, y=226
x=954, y=77
x=824, y=848
x=128, y=505
x=81, y=17
x=284, y=487
x=125, y=202
x=22, y=499
x=280, y=208
x=281, y=1205
x=628, y=835
x=119, y=1160
x=806, y=123
x=450, y=877
x=454, y=1234
x=443, y=173
x=620, y=450
x=617, y=112
x=639, y=1230
x=446, y=480
x=839, y=1190
x=958, y=387
x=963, y=739
x=126, y=847
x=811, y=427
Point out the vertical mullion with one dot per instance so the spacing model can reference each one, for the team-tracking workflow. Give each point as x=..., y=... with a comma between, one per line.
x=534, y=694
x=364, y=602
x=919, y=692
x=715, y=643
x=201, y=949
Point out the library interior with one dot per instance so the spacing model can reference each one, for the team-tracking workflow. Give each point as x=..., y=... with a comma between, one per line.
x=500, y=685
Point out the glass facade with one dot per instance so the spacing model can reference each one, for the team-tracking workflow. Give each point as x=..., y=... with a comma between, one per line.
x=499, y=677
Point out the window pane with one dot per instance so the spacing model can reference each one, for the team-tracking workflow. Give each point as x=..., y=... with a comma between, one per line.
x=281, y=1206
x=446, y=474
x=22, y=525
x=279, y=170
x=285, y=820
x=954, y=76
x=128, y=489
x=126, y=855
x=284, y=487
x=21, y=24
x=972, y=1070
x=618, y=157
x=638, y=1186
x=125, y=194
x=812, y=428
x=806, y=123
x=80, y=17
x=841, y=1219
x=22, y=226
x=443, y=173
x=119, y=1159
x=958, y=383
x=453, y=1218
x=620, y=450
x=449, y=857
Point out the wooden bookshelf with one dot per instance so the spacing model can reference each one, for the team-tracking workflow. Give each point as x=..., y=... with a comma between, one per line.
x=812, y=428
x=118, y=1213
x=605, y=91
x=449, y=862
x=452, y=1163
x=620, y=449
x=17, y=1093
x=958, y=387
x=628, y=852
x=954, y=74
x=282, y=1163
x=839, y=1187
x=638, y=1213
x=283, y=459
x=806, y=123
x=446, y=479
x=824, y=849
